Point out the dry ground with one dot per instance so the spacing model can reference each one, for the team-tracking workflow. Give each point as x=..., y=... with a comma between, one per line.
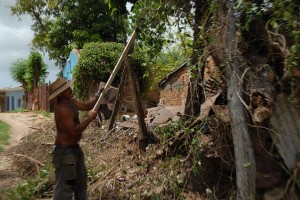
x=21, y=125
x=117, y=168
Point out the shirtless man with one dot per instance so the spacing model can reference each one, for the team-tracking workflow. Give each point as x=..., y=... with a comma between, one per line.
x=68, y=158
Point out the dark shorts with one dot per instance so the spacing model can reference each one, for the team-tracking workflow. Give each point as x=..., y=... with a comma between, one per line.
x=70, y=173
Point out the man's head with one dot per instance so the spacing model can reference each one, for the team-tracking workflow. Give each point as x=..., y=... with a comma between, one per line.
x=58, y=86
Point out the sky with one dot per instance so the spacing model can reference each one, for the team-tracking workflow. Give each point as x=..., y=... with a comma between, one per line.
x=15, y=43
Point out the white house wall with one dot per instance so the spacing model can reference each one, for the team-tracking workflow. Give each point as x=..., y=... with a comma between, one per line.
x=14, y=100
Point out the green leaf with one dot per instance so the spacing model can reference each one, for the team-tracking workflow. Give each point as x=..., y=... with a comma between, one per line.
x=247, y=165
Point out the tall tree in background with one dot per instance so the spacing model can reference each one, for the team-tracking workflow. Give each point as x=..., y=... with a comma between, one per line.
x=36, y=71
x=30, y=72
x=59, y=26
x=18, y=70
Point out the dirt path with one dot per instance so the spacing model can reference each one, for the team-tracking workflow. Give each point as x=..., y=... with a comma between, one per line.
x=21, y=124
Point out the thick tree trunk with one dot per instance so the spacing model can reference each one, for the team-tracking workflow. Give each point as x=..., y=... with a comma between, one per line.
x=245, y=162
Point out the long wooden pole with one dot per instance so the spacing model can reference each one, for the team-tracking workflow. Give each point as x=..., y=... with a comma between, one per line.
x=117, y=67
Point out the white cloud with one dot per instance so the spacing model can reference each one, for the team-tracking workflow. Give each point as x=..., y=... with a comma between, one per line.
x=15, y=43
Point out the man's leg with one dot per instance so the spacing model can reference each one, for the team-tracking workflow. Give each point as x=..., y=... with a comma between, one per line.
x=62, y=188
x=80, y=184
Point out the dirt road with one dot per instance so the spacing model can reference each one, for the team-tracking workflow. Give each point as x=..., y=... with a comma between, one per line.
x=21, y=124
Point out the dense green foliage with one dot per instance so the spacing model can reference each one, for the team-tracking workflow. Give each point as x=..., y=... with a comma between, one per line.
x=18, y=71
x=97, y=61
x=164, y=37
x=282, y=18
x=60, y=26
x=30, y=72
x=36, y=70
x=4, y=134
x=154, y=19
x=175, y=24
x=161, y=25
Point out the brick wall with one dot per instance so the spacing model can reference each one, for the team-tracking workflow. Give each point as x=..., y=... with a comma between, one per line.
x=175, y=90
x=127, y=102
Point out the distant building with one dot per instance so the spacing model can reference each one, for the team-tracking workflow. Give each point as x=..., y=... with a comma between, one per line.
x=174, y=87
x=70, y=64
x=11, y=99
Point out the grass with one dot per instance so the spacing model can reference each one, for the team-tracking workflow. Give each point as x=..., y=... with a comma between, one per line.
x=44, y=113
x=16, y=111
x=4, y=134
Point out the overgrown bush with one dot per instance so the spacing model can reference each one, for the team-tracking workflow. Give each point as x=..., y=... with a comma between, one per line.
x=96, y=63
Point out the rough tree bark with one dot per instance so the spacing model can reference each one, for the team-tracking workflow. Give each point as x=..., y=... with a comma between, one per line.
x=245, y=162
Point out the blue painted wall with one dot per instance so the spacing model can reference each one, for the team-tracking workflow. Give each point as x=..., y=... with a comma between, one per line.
x=14, y=99
x=71, y=62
